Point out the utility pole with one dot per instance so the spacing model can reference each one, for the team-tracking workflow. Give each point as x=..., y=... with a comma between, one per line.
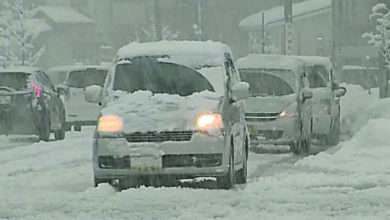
x=262, y=33
x=288, y=14
x=200, y=20
x=157, y=20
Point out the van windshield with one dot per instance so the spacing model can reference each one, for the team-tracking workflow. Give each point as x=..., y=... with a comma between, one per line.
x=266, y=84
x=85, y=78
x=159, y=77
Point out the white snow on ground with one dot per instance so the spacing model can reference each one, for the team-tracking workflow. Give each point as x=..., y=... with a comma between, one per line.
x=351, y=181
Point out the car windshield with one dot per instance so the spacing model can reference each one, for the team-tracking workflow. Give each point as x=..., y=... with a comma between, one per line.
x=85, y=78
x=265, y=84
x=13, y=80
x=57, y=77
x=159, y=77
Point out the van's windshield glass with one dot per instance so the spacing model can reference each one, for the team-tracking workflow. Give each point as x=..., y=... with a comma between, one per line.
x=266, y=84
x=159, y=77
x=85, y=78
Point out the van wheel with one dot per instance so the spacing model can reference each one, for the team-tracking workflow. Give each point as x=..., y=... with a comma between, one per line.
x=227, y=181
x=60, y=134
x=77, y=127
x=44, y=129
x=242, y=174
x=333, y=137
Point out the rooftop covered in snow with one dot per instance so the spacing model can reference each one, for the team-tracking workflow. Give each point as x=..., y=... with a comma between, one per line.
x=275, y=15
x=60, y=14
x=262, y=61
x=192, y=53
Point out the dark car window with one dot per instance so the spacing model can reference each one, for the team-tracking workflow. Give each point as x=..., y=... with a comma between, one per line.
x=85, y=78
x=57, y=77
x=158, y=77
x=265, y=84
x=316, y=80
x=14, y=80
x=45, y=80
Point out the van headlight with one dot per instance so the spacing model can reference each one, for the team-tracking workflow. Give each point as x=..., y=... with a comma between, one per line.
x=110, y=124
x=209, y=122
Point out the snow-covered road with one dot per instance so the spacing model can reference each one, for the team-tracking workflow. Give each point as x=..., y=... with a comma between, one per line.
x=351, y=181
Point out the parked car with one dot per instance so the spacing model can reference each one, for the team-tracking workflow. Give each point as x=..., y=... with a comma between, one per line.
x=171, y=110
x=30, y=104
x=76, y=79
x=279, y=109
x=326, y=98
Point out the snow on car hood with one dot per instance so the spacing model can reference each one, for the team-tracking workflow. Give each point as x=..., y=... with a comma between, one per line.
x=143, y=111
x=268, y=104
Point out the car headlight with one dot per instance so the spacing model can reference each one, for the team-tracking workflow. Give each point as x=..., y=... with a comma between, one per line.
x=285, y=114
x=110, y=123
x=209, y=121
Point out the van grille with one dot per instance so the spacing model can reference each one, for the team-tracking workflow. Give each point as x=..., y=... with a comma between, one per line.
x=266, y=116
x=162, y=136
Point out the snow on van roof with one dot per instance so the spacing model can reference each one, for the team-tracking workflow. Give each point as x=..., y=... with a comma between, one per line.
x=20, y=69
x=316, y=60
x=269, y=62
x=192, y=53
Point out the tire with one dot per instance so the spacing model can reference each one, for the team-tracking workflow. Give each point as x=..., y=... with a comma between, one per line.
x=333, y=137
x=296, y=147
x=242, y=174
x=44, y=128
x=227, y=181
x=60, y=134
x=77, y=127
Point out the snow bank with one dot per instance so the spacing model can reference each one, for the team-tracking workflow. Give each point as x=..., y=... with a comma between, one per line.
x=358, y=106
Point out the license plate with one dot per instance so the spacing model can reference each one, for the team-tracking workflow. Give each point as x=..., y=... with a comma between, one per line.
x=145, y=163
x=5, y=100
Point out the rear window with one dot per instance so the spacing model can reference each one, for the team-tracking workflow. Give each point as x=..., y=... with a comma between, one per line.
x=85, y=78
x=265, y=84
x=14, y=80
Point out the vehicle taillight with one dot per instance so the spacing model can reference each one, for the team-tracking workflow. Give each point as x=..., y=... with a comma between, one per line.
x=36, y=90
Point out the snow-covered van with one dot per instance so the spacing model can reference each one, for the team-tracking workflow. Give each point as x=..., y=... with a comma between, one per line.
x=279, y=109
x=73, y=81
x=171, y=110
x=326, y=98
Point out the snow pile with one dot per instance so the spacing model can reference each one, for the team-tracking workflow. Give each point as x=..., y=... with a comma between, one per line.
x=357, y=107
x=142, y=111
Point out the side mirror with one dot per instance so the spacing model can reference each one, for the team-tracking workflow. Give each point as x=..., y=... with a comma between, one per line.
x=240, y=91
x=93, y=93
x=306, y=94
x=341, y=91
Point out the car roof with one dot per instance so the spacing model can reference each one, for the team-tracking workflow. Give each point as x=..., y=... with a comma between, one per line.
x=316, y=60
x=20, y=69
x=265, y=61
x=190, y=53
x=69, y=68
